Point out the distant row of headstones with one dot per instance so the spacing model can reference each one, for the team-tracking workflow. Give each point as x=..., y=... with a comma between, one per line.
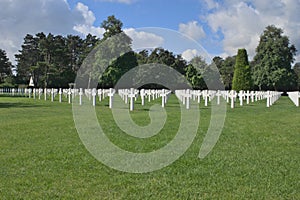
x=129, y=96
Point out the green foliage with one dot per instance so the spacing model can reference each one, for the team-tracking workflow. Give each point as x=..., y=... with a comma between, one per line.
x=272, y=70
x=5, y=66
x=111, y=59
x=226, y=69
x=242, y=79
x=52, y=60
x=194, y=77
x=112, y=26
x=296, y=69
x=194, y=73
x=160, y=56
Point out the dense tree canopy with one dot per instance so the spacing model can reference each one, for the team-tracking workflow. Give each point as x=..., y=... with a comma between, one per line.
x=52, y=60
x=242, y=79
x=226, y=69
x=5, y=67
x=272, y=70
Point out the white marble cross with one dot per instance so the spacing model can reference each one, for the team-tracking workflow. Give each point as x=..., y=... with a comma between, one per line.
x=69, y=95
x=80, y=96
x=163, y=95
x=241, y=97
x=232, y=96
x=111, y=96
x=218, y=94
x=252, y=94
x=142, y=93
x=94, y=94
x=187, y=96
x=60, y=93
x=248, y=97
x=52, y=94
x=197, y=93
x=45, y=94
x=205, y=95
x=131, y=95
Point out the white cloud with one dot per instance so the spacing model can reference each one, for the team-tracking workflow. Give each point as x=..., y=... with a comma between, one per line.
x=192, y=29
x=242, y=23
x=86, y=29
x=18, y=18
x=189, y=54
x=89, y=18
x=211, y=4
x=88, y=15
x=142, y=39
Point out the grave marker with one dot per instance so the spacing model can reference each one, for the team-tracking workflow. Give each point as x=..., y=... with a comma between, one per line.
x=131, y=95
x=111, y=96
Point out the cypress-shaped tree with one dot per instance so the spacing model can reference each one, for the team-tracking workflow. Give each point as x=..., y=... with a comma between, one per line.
x=242, y=79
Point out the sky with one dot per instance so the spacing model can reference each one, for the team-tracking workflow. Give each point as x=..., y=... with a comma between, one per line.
x=221, y=27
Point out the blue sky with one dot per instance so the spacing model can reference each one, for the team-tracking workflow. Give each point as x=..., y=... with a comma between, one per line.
x=156, y=13
x=145, y=13
x=220, y=26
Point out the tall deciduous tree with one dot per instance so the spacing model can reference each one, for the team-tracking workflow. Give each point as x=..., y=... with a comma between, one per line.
x=272, y=70
x=242, y=79
x=112, y=57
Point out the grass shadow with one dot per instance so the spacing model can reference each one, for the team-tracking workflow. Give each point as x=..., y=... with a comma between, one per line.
x=20, y=105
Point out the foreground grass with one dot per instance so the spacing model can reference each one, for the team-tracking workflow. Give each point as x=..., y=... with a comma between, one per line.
x=42, y=157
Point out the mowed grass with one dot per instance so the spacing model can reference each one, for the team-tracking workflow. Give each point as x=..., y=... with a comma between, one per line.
x=42, y=157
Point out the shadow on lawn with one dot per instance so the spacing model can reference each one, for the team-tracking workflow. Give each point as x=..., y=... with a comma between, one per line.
x=20, y=105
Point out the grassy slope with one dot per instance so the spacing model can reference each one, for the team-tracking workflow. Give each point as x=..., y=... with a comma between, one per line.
x=41, y=155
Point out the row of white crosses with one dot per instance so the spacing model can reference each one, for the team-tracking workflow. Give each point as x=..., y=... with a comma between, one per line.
x=207, y=95
x=133, y=94
x=270, y=96
x=12, y=91
x=294, y=96
x=230, y=96
x=70, y=94
x=38, y=92
x=91, y=94
x=184, y=95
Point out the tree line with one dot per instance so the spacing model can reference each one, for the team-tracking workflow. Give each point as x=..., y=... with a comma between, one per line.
x=53, y=61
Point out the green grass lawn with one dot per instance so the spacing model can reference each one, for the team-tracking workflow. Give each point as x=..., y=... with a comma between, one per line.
x=42, y=157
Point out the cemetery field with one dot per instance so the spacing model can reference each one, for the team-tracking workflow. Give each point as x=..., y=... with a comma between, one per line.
x=256, y=157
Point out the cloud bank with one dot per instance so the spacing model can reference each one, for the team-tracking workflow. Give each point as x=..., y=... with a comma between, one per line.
x=242, y=22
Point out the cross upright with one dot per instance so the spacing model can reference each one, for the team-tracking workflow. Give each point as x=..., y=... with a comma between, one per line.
x=94, y=96
x=241, y=97
x=80, y=96
x=163, y=95
x=111, y=95
x=232, y=96
x=131, y=95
